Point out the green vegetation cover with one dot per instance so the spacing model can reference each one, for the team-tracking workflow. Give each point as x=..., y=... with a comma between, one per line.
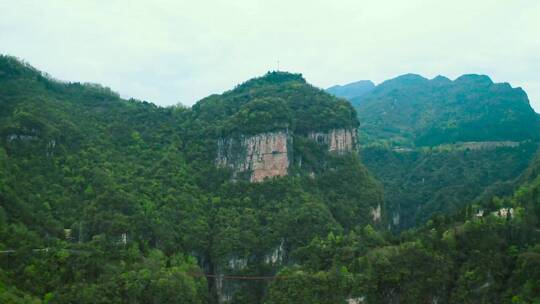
x=484, y=253
x=437, y=145
x=412, y=111
x=276, y=101
x=106, y=200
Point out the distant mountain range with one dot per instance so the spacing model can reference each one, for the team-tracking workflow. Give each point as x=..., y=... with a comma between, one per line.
x=411, y=110
x=352, y=90
x=438, y=144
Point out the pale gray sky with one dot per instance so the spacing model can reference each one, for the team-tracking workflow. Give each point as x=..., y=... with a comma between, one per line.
x=171, y=51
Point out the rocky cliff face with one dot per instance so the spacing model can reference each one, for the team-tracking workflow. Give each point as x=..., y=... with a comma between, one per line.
x=337, y=140
x=269, y=154
x=260, y=156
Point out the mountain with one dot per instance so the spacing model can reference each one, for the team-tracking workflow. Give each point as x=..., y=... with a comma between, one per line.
x=256, y=195
x=352, y=90
x=413, y=111
x=437, y=145
x=266, y=126
x=107, y=200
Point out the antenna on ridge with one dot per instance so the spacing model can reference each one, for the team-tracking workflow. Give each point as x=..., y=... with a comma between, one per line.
x=278, y=65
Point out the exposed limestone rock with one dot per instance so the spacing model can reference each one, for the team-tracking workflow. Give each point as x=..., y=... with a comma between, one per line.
x=236, y=263
x=376, y=213
x=25, y=135
x=395, y=219
x=261, y=156
x=504, y=212
x=50, y=147
x=358, y=300
x=338, y=140
x=224, y=294
x=480, y=213
x=21, y=137
x=276, y=256
x=267, y=155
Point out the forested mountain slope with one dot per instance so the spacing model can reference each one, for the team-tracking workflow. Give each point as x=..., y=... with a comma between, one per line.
x=106, y=200
x=412, y=111
x=438, y=144
x=485, y=253
x=423, y=182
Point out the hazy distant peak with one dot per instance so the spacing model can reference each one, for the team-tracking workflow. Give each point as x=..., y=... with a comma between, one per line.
x=360, y=83
x=474, y=78
x=441, y=79
x=412, y=110
x=352, y=90
x=410, y=78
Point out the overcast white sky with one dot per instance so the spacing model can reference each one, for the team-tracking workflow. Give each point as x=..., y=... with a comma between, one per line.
x=180, y=51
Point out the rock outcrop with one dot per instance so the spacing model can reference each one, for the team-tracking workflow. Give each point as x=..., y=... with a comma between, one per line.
x=268, y=155
x=376, y=213
x=261, y=156
x=338, y=140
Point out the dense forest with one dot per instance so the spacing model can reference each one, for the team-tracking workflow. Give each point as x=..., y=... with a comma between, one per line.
x=110, y=200
x=487, y=253
x=107, y=200
x=438, y=145
x=412, y=111
x=423, y=182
